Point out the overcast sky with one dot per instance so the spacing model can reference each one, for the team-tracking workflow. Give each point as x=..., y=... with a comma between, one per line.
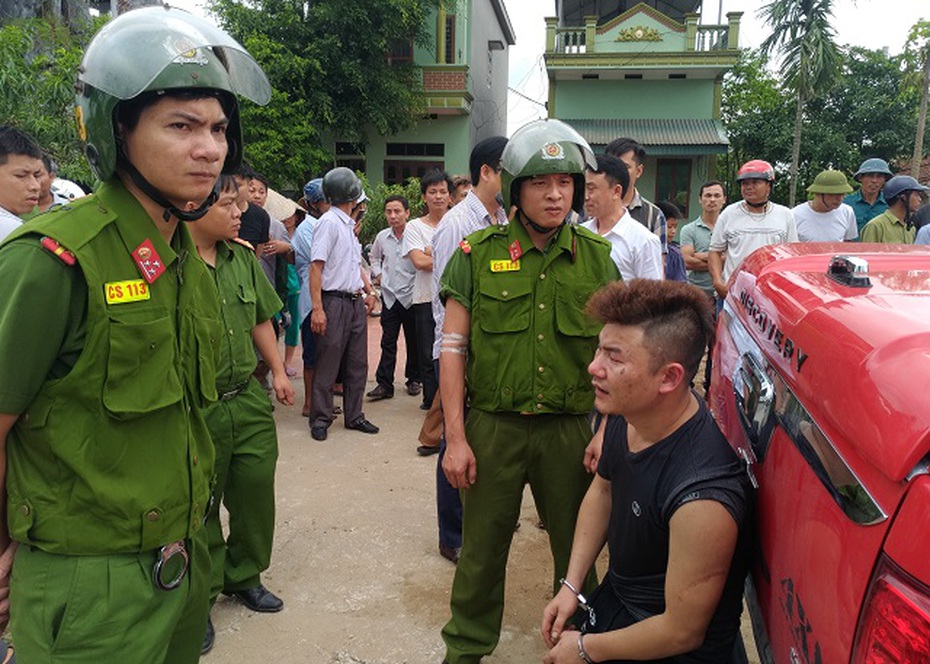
x=871, y=23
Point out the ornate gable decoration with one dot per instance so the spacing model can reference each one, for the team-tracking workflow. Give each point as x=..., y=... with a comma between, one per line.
x=639, y=33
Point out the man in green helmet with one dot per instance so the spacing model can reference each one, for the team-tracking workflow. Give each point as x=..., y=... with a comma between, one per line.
x=515, y=326
x=109, y=325
x=826, y=218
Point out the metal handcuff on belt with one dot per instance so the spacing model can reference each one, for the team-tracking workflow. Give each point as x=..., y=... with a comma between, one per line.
x=172, y=560
x=170, y=565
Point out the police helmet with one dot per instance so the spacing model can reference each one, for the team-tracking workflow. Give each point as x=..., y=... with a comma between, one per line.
x=154, y=49
x=544, y=147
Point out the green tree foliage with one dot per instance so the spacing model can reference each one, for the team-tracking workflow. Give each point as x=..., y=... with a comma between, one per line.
x=869, y=112
x=810, y=59
x=328, y=62
x=38, y=65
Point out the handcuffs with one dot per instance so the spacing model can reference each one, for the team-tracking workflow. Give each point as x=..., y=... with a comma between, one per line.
x=582, y=602
x=170, y=566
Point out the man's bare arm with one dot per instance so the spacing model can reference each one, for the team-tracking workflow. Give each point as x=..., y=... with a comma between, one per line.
x=422, y=260
x=7, y=547
x=459, y=461
x=715, y=267
x=694, y=260
x=590, y=536
x=267, y=344
x=317, y=316
x=702, y=539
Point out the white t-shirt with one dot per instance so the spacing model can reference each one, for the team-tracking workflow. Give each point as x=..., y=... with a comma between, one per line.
x=833, y=226
x=635, y=250
x=9, y=222
x=419, y=235
x=739, y=232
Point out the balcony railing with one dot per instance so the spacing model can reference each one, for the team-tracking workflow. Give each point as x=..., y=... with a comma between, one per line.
x=582, y=39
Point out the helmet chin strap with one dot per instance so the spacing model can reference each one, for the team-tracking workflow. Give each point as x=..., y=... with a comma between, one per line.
x=542, y=230
x=169, y=209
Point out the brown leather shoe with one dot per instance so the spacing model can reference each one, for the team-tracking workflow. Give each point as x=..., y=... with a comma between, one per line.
x=380, y=392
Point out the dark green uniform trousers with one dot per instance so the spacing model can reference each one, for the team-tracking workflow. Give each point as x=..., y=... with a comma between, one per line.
x=246, y=441
x=106, y=608
x=510, y=450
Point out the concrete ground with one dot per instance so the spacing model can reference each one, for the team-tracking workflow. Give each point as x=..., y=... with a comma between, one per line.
x=356, y=552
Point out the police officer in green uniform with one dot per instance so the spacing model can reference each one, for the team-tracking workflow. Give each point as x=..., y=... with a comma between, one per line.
x=515, y=298
x=241, y=422
x=109, y=325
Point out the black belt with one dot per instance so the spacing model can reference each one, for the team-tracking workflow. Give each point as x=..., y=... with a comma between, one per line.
x=348, y=295
x=233, y=393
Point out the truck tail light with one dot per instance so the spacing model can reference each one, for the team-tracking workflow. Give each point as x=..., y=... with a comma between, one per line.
x=895, y=623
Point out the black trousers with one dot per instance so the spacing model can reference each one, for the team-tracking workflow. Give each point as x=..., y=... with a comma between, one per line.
x=423, y=317
x=392, y=320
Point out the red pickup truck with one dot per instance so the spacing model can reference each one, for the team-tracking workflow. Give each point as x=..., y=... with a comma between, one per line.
x=821, y=383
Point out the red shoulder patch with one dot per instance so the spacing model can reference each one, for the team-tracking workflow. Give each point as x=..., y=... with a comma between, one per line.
x=466, y=248
x=54, y=247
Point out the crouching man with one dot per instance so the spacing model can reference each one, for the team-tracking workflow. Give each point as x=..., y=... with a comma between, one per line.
x=670, y=498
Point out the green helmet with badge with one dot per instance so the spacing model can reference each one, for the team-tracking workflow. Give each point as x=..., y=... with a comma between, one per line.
x=830, y=182
x=544, y=147
x=154, y=49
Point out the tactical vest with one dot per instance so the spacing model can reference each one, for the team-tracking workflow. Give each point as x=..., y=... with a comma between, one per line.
x=115, y=457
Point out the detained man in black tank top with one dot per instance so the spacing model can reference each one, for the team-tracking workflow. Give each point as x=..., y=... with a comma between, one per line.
x=670, y=498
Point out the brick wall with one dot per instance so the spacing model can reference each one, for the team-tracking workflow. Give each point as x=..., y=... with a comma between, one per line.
x=438, y=79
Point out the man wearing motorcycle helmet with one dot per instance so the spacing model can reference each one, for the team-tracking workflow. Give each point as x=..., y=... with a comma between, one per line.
x=748, y=224
x=108, y=331
x=904, y=195
x=515, y=324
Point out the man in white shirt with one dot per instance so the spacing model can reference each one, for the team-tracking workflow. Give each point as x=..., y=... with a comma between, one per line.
x=396, y=275
x=636, y=252
x=339, y=318
x=21, y=169
x=418, y=247
x=827, y=218
x=747, y=225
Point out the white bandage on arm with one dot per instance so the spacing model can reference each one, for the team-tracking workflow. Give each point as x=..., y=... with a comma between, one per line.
x=453, y=342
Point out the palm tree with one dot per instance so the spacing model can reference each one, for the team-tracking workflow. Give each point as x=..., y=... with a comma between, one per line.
x=802, y=38
x=917, y=54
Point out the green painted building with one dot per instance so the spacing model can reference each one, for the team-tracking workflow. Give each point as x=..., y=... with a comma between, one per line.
x=651, y=71
x=465, y=68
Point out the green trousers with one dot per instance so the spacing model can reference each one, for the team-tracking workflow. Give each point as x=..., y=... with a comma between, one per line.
x=246, y=442
x=510, y=450
x=93, y=609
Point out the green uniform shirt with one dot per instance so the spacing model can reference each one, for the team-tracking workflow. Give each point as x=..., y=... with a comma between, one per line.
x=109, y=375
x=888, y=229
x=530, y=341
x=247, y=299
